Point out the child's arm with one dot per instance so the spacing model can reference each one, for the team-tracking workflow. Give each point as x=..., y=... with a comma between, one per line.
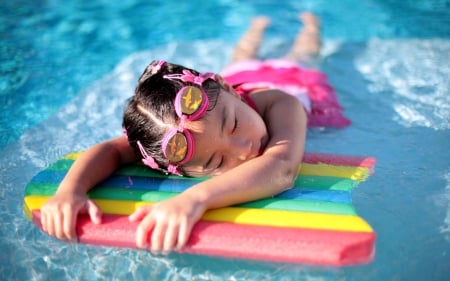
x=275, y=170
x=59, y=214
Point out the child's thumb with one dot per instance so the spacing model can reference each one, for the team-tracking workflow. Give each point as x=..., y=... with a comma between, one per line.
x=94, y=212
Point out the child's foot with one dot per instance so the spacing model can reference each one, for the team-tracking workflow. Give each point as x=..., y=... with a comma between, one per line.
x=260, y=23
x=248, y=46
x=311, y=34
x=310, y=21
x=307, y=44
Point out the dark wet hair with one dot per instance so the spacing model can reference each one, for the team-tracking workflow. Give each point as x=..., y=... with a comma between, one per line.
x=150, y=112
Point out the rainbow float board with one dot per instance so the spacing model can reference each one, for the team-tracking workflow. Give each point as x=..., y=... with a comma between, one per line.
x=312, y=223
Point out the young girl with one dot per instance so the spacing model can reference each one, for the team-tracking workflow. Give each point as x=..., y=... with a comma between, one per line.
x=250, y=137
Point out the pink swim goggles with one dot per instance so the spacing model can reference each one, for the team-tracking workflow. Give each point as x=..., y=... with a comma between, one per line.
x=191, y=103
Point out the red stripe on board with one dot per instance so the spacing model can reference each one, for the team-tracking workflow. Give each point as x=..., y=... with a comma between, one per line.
x=293, y=245
x=339, y=160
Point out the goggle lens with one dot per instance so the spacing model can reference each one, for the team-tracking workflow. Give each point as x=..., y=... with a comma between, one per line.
x=176, y=148
x=191, y=100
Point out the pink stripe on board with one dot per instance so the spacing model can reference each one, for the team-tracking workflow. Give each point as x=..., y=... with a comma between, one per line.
x=293, y=245
x=339, y=160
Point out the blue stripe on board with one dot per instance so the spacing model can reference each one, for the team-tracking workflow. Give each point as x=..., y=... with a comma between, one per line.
x=335, y=196
x=175, y=185
x=48, y=176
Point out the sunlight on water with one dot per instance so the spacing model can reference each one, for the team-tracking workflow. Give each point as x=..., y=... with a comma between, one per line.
x=444, y=202
x=417, y=71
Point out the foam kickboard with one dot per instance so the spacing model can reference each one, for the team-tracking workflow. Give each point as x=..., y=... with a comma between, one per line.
x=314, y=222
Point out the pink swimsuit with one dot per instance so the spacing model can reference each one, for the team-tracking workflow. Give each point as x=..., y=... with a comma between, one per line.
x=309, y=86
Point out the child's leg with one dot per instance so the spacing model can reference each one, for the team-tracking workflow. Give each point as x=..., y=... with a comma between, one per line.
x=307, y=44
x=248, y=46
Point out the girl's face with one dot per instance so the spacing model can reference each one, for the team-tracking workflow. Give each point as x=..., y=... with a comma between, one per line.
x=227, y=136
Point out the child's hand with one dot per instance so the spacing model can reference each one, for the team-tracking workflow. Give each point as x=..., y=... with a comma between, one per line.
x=169, y=222
x=59, y=214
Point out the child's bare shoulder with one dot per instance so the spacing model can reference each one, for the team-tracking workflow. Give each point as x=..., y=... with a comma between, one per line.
x=265, y=98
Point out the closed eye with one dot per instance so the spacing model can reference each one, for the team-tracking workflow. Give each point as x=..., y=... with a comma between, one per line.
x=236, y=125
x=220, y=163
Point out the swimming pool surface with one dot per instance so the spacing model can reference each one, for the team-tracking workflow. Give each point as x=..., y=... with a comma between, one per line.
x=67, y=68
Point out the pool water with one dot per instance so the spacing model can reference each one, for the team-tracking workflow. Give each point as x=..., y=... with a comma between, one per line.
x=69, y=66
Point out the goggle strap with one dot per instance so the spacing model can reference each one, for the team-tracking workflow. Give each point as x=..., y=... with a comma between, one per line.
x=147, y=159
x=187, y=76
x=173, y=169
x=157, y=67
x=183, y=119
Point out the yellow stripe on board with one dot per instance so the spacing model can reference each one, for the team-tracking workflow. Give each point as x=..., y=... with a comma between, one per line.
x=278, y=218
x=27, y=211
x=354, y=173
x=33, y=202
x=294, y=219
x=73, y=155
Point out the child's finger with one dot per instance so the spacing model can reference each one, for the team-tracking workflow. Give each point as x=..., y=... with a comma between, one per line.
x=58, y=226
x=69, y=225
x=44, y=221
x=183, y=234
x=49, y=225
x=94, y=212
x=143, y=230
x=140, y=213
x=171, y=237
x=158, y=234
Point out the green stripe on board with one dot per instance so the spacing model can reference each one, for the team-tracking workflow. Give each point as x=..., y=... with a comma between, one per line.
x=325, y=183
x=301, y=205
x=61, y=165
x=156, y=196
x=302, y=181
x=128, y=170
x=33, y=188
x=143, y=171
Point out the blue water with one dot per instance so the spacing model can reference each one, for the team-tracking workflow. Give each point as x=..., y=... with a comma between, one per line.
x=67, y=68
